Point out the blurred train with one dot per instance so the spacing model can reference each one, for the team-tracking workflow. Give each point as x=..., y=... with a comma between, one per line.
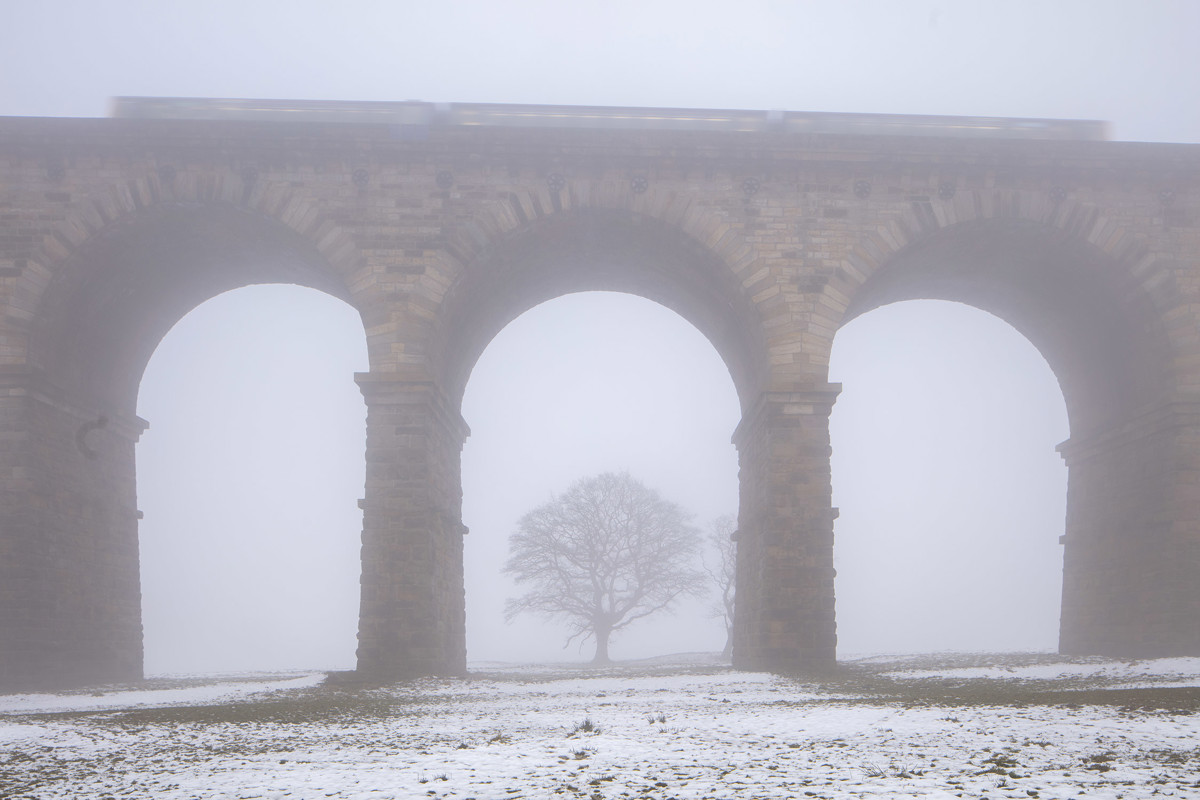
x=418, y=114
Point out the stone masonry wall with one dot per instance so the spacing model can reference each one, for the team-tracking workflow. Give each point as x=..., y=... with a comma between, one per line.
x=124, y=225
x=413, y=609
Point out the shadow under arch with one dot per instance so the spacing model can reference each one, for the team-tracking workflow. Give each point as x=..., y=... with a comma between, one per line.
x=105, y=309
x=1105, y=341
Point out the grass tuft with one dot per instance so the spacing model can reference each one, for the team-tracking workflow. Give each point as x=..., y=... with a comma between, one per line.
x=587, y=727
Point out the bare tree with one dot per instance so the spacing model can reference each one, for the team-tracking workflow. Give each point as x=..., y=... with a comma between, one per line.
x=724, y=572
x=606, y=553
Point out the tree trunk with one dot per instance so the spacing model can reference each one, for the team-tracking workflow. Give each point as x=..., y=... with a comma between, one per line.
x=601, y=656
x=728, y=650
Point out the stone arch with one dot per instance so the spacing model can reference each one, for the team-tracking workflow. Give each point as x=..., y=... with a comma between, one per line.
x=589, y=248
x=114, y=298
x=1090, y=297
x=414, y=489
x=1083, y=221
x=194, y=225
x=166, y=186
x=124, y=273
x=676, y=209
x=1084, y=291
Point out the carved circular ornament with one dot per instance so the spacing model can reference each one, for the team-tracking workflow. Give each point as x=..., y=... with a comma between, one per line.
x=556, y=182
x=1058, y=194
x=947, y=190
x=83, y=434
x=862, y=189
x=361, y=177
x=750, y=187
x=639, y=184
x=445, y=179
x=1166, y=196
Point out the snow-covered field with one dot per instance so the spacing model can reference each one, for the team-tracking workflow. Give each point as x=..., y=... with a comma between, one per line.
x=884, y=727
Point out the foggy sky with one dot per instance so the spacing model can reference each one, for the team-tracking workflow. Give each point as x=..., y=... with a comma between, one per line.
x=950, y=492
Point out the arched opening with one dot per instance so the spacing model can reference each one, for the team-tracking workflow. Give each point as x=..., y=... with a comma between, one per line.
x=103, y=312
x=952, y=496
x=1100, y=334
x=248, y=480
x=413, y=528
x=582, y=384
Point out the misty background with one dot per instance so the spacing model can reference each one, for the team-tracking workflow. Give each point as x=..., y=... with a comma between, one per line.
x=951, y=495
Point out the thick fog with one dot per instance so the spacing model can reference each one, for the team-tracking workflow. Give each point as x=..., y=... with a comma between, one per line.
x=248, y=481
x=951, y=494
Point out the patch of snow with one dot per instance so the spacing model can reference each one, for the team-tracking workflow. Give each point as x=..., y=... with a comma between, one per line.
x=130, y=698
x=651, y=731
x=1186, y=671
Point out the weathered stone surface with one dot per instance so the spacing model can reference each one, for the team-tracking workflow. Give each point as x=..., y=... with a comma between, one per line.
x=764, y=234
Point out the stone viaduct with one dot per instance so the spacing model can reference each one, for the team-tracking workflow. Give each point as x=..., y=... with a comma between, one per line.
x=442, y=223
